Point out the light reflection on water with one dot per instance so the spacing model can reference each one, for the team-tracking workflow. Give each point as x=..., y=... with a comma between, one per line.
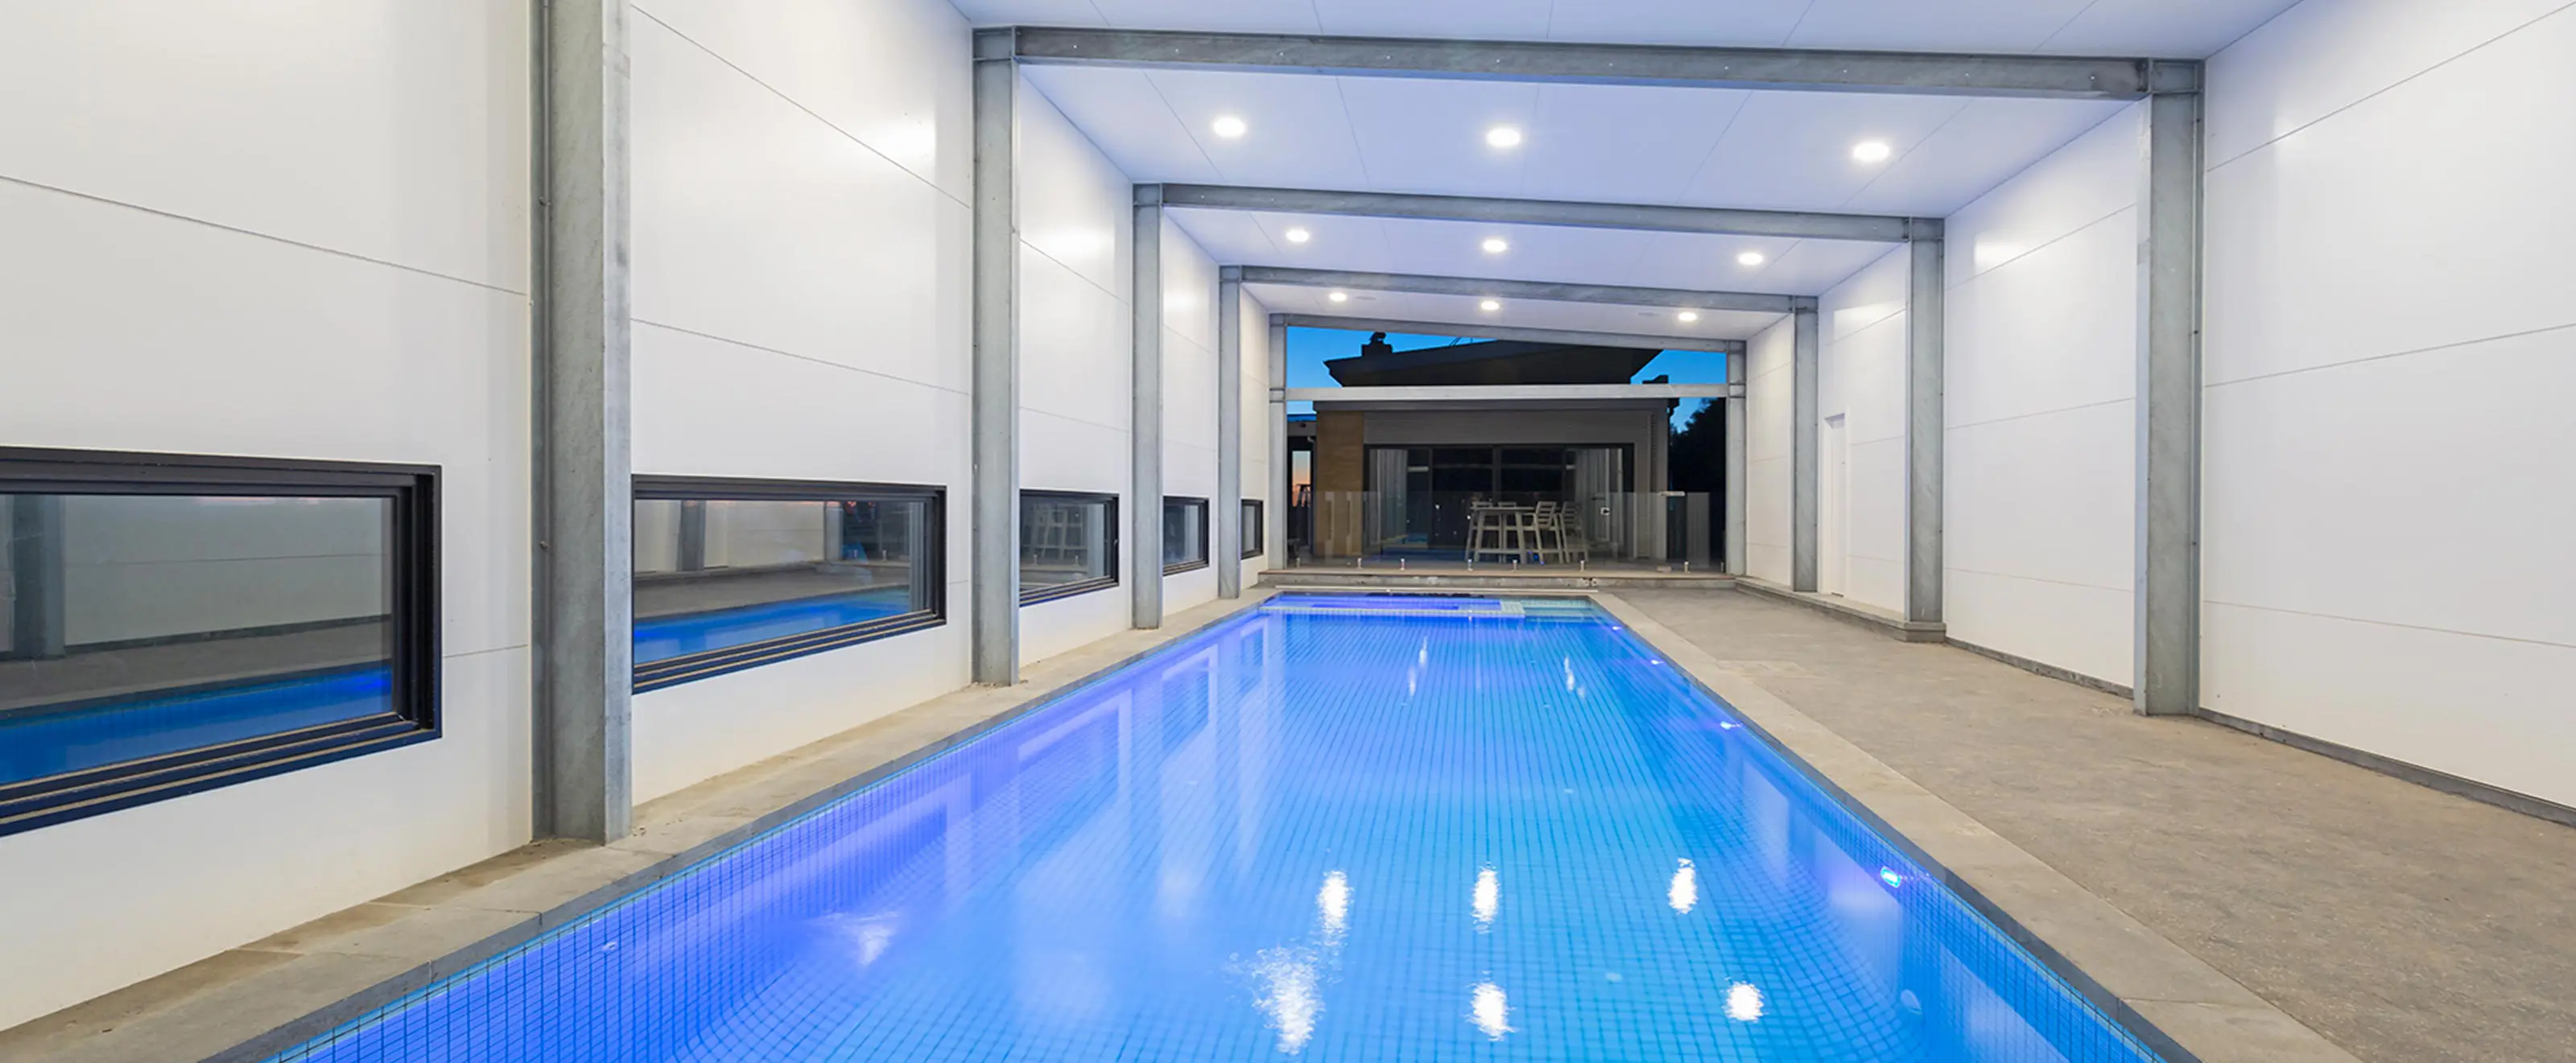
x=1254, y=845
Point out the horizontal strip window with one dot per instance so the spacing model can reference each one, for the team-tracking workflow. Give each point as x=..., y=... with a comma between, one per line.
x=1253, y=529
x=172, y=623
x=734, y=574
x=1185, y=534
x=1068, y=544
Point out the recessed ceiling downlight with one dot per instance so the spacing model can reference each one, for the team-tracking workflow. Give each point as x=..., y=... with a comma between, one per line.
x=1230, y=127
x=1750, y=258
x=1871, y=151
x=1503, y=136
x=1490, y=305
x=1688, y=316
x=1299, y=236
x=1339, y=297
x=1495, y=245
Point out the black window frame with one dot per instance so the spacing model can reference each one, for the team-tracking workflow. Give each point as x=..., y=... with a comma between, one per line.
x=705, y=664
x=1207, y=517
x=412, y=546
x=1109, y=532
x=1255, y=528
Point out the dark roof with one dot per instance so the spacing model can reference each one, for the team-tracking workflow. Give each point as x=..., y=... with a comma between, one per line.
x=1493, y=362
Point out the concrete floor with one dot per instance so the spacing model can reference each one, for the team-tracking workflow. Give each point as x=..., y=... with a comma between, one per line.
x=2405, y=925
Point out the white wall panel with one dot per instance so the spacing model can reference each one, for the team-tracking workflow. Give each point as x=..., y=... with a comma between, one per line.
x=133, y=330
x=2322, y=56
x=387, y=130
x=1077, y=221
x=884, y=73
x=1075, y=206
x=802, y=278
x=2389, y=348
x=1863, y=358
x=776, y=707
x=1768, y=394
x=758, y=222
x=2041, y=359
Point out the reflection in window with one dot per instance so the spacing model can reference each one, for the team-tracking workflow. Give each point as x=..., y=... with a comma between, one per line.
x=1253, y=528
x=731, y=574
x=1185, y=534
x=171, y=619
x=1068, y=544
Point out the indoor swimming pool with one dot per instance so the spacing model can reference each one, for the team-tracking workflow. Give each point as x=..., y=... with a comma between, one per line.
x=1329, y=828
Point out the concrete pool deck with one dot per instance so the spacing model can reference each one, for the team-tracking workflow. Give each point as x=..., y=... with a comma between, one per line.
x=1816, y=684
x=2404, y=924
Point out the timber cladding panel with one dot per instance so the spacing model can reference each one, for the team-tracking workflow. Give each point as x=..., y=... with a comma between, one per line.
x=1341, y=473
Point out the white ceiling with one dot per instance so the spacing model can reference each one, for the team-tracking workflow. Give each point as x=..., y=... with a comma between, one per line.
x=1518, y=313
x=2182, y=29
x=1698, y=147
x=1537, y=253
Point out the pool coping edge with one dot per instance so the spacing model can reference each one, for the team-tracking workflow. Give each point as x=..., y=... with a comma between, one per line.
x=2192, y=1014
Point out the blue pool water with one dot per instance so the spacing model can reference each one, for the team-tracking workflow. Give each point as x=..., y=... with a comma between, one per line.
x=38, y=743
x=1446, y=830
x=660, y=638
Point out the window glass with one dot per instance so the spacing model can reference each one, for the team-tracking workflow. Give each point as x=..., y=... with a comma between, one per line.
x=1068, y=544
x=152, y=629
x=1185, y=534
x=723, y=583
x=1253, y=528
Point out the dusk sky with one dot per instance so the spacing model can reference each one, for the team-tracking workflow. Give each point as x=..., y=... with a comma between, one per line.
x=1308, y=348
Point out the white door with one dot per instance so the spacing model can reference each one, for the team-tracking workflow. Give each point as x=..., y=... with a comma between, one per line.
x=1833, y=508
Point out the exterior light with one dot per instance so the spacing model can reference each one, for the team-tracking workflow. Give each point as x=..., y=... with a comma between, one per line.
x=1503, y=136
x=1495, y=245
x=1339, y=297
x=1871, y=151
x=1299, y=236
x=1688, y=316
x=1231, y=127
x=1490, y=305
x=1750, y=258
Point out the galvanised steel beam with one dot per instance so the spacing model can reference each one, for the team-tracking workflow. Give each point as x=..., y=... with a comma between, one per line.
x=1806, y=377
x=2167, y=599
x=994, y=614
x=1668, y=66
x=1738, y=491
x=1543, y=291
x=584, y=501
x=1788, y=224
x=1145, y=429
x=1274, y=538
x=1925, y=431
x=1511, y=332
x=1225, y=552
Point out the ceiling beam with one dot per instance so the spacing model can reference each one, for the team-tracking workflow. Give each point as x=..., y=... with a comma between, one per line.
x=1546, y=291
x=1787, y=224
x=1778, y=69
x=1513, y=392
x=1512, y=332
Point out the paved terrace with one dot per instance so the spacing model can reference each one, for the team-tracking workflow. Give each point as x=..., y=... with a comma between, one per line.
x=2405, y=925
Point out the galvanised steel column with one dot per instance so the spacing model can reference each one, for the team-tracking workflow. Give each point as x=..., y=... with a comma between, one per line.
x=1924, y=428
x=1737, y=491
x=1805, y=360
x=1274, y=540
x=1145, y=428
x=995, y=533
x=583, y=510
x=2167, y=603
x=1226, y=551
